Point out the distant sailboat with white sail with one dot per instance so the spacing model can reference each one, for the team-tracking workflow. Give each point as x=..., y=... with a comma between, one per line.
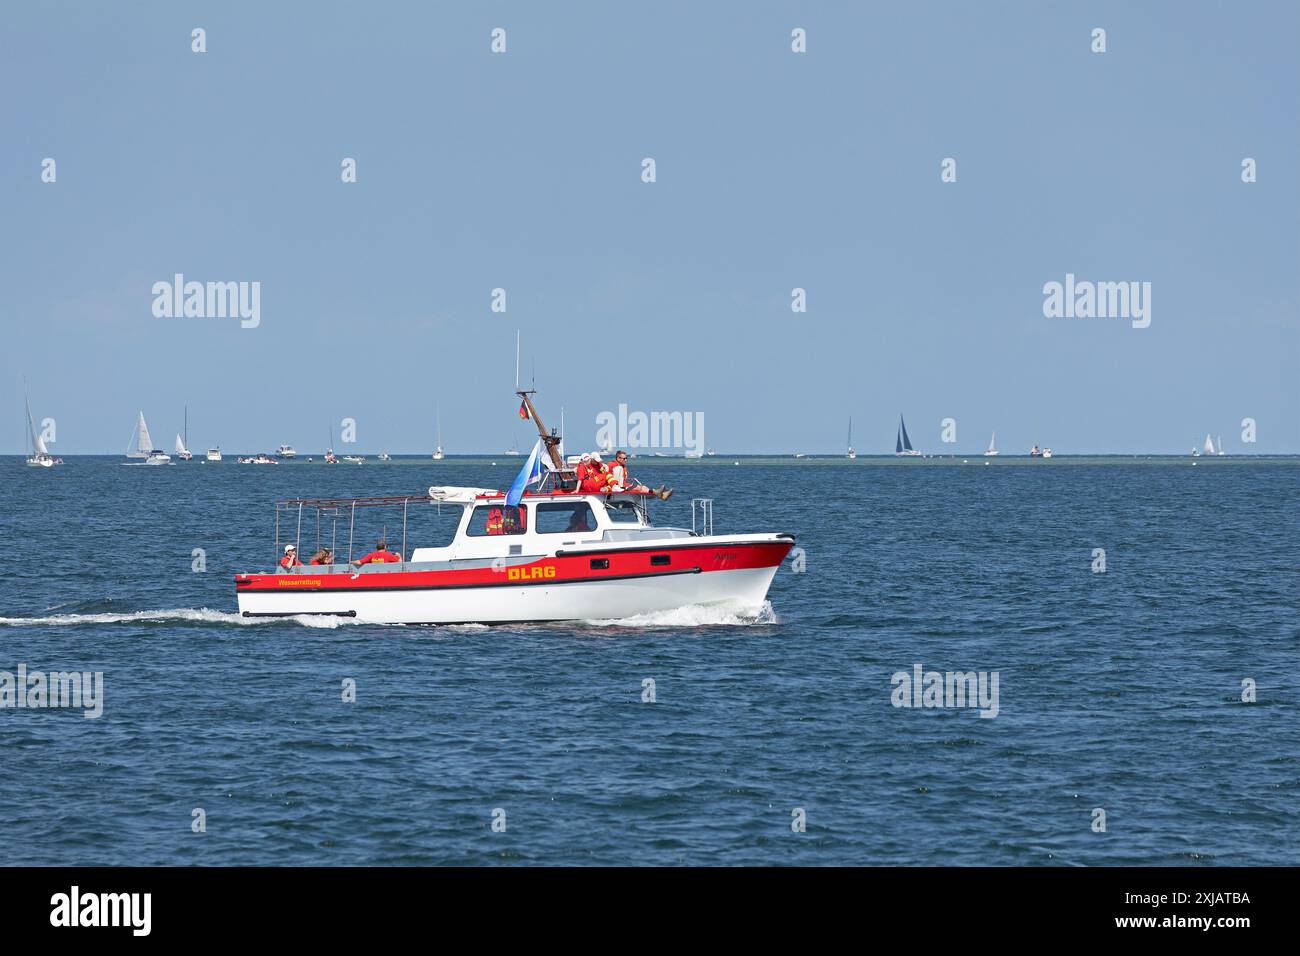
x=993, y=446
x=851, y=453
x=141, y=445
x=41, y=457
x=182, y=452
x=903, y=444
x=1220, y=445
x=1208, y=447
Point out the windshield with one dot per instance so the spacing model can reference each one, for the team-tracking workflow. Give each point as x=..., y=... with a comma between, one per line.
x=622, y=512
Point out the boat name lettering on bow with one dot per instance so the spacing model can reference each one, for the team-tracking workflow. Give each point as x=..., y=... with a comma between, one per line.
x=299, y=582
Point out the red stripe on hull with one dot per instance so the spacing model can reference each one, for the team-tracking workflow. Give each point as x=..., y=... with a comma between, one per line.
x=560, y=569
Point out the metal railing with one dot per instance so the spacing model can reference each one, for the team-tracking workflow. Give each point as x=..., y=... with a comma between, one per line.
x=706, y=516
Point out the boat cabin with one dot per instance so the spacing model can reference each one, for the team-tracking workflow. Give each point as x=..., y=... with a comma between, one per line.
x=470, y=525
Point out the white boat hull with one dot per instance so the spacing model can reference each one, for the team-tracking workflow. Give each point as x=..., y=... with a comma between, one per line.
x=745, y=589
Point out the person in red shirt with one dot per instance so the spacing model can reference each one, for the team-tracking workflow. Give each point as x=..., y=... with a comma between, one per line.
x=597, y=478
x=290, y=558
x=381, y=555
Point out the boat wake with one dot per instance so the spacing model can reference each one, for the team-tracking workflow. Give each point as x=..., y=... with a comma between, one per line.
x=699, y=615
x=188, y=615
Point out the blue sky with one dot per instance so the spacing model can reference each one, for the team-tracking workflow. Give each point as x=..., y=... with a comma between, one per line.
x=774, y=170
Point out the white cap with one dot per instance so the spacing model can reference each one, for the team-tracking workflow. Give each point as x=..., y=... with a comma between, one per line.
x=586, y=456
x=288, y=548
x=595, y=456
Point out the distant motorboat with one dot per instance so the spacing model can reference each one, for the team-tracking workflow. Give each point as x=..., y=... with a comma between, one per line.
x=710, y=453
x=258, y=460
x=1047, y=453
x=800, y=454
x=993, y=446
x=286, y=451
x=384, y=456
x=214, y=454
x=157, y=457
x=902, y=444
x=354, y=459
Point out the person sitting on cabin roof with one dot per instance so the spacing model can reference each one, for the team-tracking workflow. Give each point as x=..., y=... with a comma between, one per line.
x=290, y=558
x=620, y=480
x=582, y=468
x=381, y=555
x=597, y=478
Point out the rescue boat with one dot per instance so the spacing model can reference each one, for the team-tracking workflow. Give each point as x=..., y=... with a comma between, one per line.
x=550, y=554
x=555, y=556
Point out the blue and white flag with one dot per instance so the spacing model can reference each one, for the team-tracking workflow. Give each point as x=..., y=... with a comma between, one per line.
x=530, y=474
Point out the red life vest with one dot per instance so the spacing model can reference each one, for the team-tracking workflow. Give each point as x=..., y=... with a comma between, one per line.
x=596, y=479
x=496, y=522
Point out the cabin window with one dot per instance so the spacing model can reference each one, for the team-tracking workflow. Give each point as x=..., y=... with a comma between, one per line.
x=600, y=564
x=660, y=559
x=622, y=511
x=565, y=518
x=497, y=520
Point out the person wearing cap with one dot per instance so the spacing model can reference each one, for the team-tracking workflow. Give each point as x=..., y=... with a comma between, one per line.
x=582, y=468
x=381, y=555
x=597, y=480
x=290, y=558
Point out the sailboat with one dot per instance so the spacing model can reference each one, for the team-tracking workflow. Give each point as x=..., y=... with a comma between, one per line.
x=902, y=444
x=993, y=445
x=41, y=457
x=1208, y=447
x=437, y=452
x=144, y=446
x=851, y=453
x=330, y=458
x=182, y=452
x=1220, y=445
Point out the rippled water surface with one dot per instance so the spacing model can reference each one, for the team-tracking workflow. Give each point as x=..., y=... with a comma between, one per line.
x=1120, y=690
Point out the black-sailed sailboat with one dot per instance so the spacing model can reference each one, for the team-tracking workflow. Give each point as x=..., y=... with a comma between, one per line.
x=902, y=444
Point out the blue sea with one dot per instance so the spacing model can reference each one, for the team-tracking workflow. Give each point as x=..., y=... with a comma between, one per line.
x=1119, y=691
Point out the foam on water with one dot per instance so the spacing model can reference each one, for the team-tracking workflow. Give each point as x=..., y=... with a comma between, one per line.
x=700, y=615
x=201, y=615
